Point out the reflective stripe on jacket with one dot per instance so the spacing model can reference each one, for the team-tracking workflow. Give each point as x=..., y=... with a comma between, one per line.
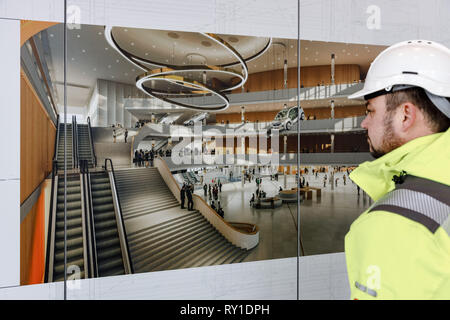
x=400, y=247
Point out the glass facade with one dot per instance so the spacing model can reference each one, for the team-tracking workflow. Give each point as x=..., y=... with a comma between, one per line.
x=191, y=151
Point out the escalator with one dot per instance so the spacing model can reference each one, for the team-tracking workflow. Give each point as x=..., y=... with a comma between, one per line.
x=84, y=146
x=186, y=178
x=161, y=144
x=193, y=176
x=69, y=144
x=76, y=245
x=96, y=241
x=111, y=253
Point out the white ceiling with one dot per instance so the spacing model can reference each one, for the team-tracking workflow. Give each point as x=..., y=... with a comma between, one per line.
x=89, y=57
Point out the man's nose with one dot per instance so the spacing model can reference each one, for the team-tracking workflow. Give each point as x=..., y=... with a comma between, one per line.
x=364, y=123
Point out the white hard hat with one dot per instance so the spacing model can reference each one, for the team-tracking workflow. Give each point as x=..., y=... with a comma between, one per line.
x=414, y=63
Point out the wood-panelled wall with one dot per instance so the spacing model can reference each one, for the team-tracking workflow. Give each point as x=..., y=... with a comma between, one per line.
x=309, y=77
x=29, y=28
x=32, y=241
x=27, y=228
x=250, y=116
x=37, y=138
x=267, y=116
x=313, y=143
x=339, y=112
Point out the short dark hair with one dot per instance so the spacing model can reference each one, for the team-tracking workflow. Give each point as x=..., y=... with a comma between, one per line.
x=437, y=121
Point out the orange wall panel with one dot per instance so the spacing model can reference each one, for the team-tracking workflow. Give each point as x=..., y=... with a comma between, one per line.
x=37, y=136
x=309, y=77
x=320, y=113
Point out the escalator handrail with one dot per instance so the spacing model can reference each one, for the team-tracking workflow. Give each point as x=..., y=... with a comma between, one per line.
x=91, y=140
x=77, y=163
x=74, y=142
x=50, y=230
x=55, y=150
x=120, y=213
x=84, y=169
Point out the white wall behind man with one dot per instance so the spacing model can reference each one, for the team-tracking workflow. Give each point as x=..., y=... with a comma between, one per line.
x=10, y=153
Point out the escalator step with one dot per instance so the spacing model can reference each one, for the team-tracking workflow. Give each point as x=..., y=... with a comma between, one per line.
x=110, y=223
x=102, y=245
x=96, y=201
x=110, y=265
x=71, y=223
x=103, y=255
x=72, y=254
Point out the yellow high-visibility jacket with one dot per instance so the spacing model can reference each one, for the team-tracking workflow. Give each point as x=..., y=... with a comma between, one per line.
x=400, y=247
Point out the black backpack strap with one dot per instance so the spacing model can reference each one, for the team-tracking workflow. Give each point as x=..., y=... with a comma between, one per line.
x=422, y=200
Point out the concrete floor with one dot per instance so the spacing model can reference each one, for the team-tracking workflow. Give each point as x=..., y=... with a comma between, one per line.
x=324, y=222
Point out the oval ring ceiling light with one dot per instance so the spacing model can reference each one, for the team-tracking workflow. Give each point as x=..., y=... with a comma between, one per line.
x=175, y=75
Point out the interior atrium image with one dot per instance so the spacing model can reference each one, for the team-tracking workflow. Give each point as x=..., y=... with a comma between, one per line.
x=180, y=149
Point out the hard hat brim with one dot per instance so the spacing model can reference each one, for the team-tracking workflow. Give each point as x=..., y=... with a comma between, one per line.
x=361, y=93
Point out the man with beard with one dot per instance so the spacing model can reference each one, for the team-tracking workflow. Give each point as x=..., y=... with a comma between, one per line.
x=400, y=247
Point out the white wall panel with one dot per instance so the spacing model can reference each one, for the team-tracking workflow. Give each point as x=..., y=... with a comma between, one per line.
x=10, y=100
x=10, y=153
x=102, y=103
x=111, y=102
x=321, y=277
x=324, y=20
x=126, y=115
x=119, y=103
x=10, y=233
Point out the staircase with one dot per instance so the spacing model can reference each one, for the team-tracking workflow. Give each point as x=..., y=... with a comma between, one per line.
x=60, y=154
x=75, y=250
x=84, y=144
x=109, y=254
x=163, y=236
x=142, y=191
x=183, y=242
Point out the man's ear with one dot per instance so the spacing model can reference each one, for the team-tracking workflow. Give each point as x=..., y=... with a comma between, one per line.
x=408, y=113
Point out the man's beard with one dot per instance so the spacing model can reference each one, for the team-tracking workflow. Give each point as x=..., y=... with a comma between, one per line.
x=390, y=140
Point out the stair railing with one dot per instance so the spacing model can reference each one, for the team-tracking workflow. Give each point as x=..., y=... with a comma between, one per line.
x=90, y=222
x=55, y=149
x=50, y=250
x=91, y=141
x=119, y=219
x=75, y=142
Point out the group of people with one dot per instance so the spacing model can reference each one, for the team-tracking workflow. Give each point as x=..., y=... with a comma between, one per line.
x=144, y=158
x=140, y=124
x=218, y=209
x=212, y=192
x=125, y=133
x=248, y=176
x=186, y=192
x=303, y=182
x=260, y=193
x=332, y=180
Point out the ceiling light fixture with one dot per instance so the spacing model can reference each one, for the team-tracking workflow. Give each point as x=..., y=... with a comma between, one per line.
x=174, y=74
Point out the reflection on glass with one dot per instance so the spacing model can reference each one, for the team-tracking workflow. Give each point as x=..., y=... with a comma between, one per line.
x=182, y=151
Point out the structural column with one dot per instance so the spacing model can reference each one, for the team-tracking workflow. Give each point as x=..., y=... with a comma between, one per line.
x=332, y=109
x=285, y=155
x=332, y=143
